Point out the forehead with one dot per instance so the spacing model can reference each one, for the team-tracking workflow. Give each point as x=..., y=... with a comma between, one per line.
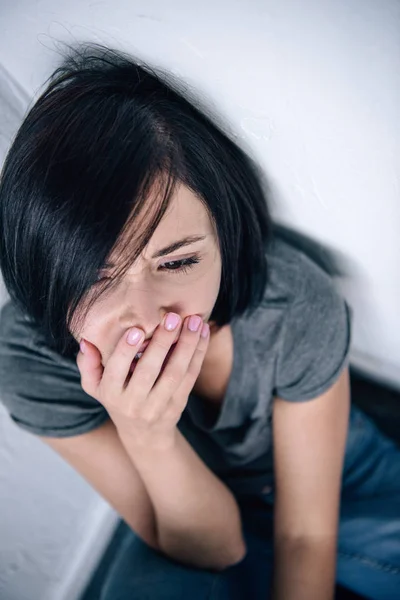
x=185, y=211
x=186, y=215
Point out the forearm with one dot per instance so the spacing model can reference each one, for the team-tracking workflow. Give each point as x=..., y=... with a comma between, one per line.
x=198, y=518
x=304, y=569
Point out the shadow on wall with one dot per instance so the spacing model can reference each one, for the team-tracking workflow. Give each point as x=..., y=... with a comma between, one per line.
x=331, y=261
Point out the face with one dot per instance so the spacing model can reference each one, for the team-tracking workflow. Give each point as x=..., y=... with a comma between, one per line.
x=152, y=286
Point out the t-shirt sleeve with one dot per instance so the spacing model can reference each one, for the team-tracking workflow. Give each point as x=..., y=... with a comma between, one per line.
x=40, y=389
x=316, y=336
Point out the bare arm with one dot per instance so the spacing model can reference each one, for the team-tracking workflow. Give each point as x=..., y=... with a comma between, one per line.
x=100, y=458
x=198, y=519
x=309, y=444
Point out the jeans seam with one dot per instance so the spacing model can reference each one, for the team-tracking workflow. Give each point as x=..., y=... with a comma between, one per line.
x=371, y=562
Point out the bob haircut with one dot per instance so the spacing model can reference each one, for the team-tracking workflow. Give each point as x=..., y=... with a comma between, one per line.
x=105, y=131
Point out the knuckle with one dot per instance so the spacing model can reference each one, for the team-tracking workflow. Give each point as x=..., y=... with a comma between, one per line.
x=172, y=378
x=162, y=342
x=198, y=353
x=110, y=374
x=133, y=413
x=124, y=353
x=188, y=341
x=152, y=417
x=144, y=376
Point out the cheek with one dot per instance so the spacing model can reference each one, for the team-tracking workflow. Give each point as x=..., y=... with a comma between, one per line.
x=204, y=291
x=87, y=322
x=208, y=275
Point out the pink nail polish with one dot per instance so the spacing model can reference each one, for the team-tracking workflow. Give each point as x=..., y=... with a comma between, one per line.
x=133, y=336
x=194, y=323
x=172, y=321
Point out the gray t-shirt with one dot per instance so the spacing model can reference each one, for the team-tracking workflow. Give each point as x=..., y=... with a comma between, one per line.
x=294, y=346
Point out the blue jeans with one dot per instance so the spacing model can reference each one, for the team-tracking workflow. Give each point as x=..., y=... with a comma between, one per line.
x=368, y=553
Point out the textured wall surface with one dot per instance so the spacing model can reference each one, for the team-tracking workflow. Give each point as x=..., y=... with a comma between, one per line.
x=312, y=90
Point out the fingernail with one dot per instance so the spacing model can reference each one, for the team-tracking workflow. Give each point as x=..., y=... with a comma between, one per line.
x=171, y=322
x=194, y=322
x=82, y=346
x=133, y=336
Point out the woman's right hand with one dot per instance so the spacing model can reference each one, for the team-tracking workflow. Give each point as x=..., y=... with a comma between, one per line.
x=147, y=405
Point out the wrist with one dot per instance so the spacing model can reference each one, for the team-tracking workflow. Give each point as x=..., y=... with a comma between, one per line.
x=304, y=568
x=149, y=444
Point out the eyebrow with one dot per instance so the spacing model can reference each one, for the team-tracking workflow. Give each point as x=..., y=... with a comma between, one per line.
x=186, y=241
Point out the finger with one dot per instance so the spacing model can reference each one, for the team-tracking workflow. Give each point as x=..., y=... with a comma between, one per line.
x=149, y=365
x=117, y=368
x=180, y=397
x=177, y=367
x=90, y=368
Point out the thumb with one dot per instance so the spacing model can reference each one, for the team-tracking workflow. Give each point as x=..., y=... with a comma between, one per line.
x=90, y=367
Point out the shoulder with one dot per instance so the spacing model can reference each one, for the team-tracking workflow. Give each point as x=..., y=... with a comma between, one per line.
x=315, y=326
x=293, y=277
x=41, y=389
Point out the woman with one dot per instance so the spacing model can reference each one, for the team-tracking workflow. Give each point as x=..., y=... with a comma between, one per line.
x=220, y=429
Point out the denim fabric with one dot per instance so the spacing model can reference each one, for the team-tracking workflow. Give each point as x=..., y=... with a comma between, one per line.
x=368, y=559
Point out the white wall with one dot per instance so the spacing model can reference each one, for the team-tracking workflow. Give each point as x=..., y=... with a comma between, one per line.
x=312, y=89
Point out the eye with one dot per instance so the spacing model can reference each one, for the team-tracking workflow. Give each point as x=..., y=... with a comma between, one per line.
x=183, y=265
x=174, y=266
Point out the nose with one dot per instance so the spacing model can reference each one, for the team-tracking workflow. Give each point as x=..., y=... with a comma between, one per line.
x=147, y=320
x=146, y=305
